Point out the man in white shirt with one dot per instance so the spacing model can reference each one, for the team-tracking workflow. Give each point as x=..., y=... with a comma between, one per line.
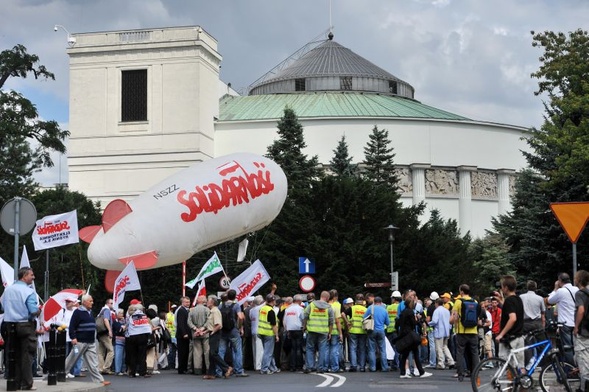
x=71, y=304
x=293, y=324
x=564, y=297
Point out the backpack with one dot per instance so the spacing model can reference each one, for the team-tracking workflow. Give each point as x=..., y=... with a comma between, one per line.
x=469, y=313
x=228, y=318
x=100, y=326
x=585, y=322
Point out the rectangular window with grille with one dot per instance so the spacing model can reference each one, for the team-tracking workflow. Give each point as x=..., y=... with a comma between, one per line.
x=134, y=95
x=393, y=87
x=300, y=84
x=345, y=83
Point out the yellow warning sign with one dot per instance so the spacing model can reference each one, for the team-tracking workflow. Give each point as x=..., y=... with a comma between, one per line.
x=572, y=216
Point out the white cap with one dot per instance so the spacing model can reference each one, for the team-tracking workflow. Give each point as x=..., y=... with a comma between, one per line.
x=434, y=295
x=396, y=294
x=348, y=301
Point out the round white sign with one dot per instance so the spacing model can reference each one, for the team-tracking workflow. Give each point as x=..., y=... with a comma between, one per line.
x=225, y=282
x=307, y=283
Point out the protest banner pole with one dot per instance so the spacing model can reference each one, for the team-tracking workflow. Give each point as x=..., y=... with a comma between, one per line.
x=46, y=281
x=183, y=278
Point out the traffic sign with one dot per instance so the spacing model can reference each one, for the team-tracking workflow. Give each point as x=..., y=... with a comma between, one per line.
x=376, y=285
x=225, y=282
x=307, y=283
x=306, y=265
x=21, y=209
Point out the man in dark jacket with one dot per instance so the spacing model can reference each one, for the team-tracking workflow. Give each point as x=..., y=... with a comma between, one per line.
x=183, y=335
x=82, y=331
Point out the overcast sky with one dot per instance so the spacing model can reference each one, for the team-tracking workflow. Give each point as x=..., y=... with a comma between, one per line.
x=470, y=57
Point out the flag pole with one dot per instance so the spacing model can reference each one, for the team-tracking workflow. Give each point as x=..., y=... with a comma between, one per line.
x=46, y=280
x=183, y=278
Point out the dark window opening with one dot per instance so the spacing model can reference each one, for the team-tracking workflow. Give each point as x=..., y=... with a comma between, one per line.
x=345, y=83
x=134, y=95
x=393, y=87
x=300, y=84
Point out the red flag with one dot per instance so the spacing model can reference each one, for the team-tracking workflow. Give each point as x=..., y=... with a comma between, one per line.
x=202, y=290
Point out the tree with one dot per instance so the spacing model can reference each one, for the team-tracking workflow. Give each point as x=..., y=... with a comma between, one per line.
x=490, y=261
x=20, y=125
x=559, y=160
x=436, y=256
x=287, y=237
x=561, y=146
x=538, y=247
x=287, y=151
x=341, y=163
x=378, y=158
x=349, y=242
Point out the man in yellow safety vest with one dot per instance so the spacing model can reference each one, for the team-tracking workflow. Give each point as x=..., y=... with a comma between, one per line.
x=318, y=322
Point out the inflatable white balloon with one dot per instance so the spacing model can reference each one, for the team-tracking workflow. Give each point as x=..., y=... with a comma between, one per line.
x=206, y=204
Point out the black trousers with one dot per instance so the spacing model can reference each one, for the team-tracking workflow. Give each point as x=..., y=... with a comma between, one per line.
x=24, y=342
x=404, y=355
x=136, y=350
x=214, y=357
x=183, y=351
x=296, y=349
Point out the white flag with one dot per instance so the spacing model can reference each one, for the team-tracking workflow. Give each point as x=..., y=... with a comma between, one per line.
x=242, y=250
x=56, y=230
x=249, y=281
x=24, y=262
x=7, y=273
x=211, y=267
x=126, y=281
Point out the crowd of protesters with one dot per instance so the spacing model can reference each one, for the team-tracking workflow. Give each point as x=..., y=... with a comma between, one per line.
x=221, y=338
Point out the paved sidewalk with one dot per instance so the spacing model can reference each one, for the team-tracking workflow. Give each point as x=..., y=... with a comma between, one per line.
x=84, y=385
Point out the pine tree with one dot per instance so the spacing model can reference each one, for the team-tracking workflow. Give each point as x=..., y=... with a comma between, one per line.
x=559, y=159
x=341, y=163
x=287, y=152
x=378, y=158
x=287, y=237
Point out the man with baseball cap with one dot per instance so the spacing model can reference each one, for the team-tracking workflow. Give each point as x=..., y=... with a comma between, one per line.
x=392, y=311
x=429, y=312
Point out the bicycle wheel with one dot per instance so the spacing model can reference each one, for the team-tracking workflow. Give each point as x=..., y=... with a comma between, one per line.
x=551, y=379
x=494, y=374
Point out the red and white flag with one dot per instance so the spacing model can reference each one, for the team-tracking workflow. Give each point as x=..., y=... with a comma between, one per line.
x=57, y=302
x=250, y=281
x=126, y=281
x=202, y=290
x=56, y=230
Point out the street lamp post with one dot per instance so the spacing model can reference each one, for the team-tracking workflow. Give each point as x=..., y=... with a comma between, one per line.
x=391, y=228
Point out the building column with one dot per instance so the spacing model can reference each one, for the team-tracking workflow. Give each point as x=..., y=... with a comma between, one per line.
x=465, y=198
x=503, y=176
x=418, y=181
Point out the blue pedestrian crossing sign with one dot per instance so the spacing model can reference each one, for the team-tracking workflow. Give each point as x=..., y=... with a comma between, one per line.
x=306, y=265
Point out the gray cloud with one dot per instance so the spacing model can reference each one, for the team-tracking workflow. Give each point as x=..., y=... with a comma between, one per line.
x=472, y=57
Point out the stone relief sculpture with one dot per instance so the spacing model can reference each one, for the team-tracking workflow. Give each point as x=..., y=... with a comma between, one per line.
x=512, y=185
x=405, y=183
x=441, y=182
x=484, y=184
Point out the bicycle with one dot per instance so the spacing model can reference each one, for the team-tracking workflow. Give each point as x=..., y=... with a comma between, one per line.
x=497, y=374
